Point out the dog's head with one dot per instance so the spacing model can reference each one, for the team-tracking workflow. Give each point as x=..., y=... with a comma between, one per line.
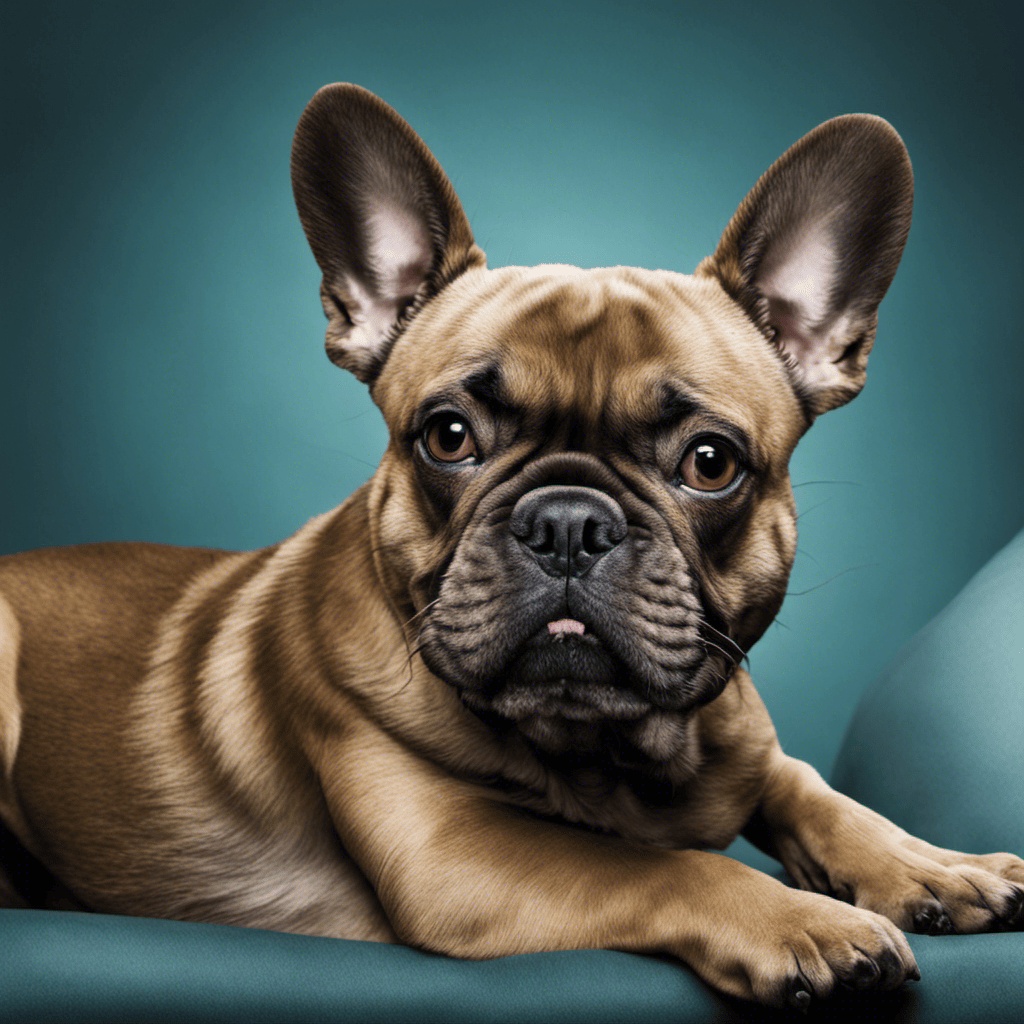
x=585, y=511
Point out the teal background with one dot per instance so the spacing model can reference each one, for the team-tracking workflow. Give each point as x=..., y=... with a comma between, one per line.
x=162, y=373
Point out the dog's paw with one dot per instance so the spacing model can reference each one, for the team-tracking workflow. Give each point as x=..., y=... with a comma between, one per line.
x=792, y=949
x=850, y=852
x=926, y=889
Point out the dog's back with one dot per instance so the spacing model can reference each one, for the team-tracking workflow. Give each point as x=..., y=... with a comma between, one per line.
x=63, y=622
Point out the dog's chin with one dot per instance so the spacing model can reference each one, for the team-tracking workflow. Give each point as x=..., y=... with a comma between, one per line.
x=575, y=700
x=566, y=675
x=568, y=692
x=573, y=716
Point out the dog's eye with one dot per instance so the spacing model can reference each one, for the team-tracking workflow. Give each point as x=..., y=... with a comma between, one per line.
x=449, y=439
x=709, y=465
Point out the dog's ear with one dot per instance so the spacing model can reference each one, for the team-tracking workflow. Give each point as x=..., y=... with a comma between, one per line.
x=813, y=248
x=381, y=217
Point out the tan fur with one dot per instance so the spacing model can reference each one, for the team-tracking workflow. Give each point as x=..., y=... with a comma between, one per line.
x=257, y=739
x=10, y=719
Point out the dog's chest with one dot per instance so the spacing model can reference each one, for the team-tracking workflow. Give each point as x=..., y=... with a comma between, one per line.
x=702, y=798
x=643, y=808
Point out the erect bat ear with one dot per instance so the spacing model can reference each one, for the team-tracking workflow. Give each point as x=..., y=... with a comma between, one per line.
x=812, y=250
x=381, y=217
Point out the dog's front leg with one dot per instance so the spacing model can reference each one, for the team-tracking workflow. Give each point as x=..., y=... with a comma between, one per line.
x=461, y=873
x=831, y=844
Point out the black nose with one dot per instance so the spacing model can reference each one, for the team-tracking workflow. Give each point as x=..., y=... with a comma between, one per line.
x=567, y=529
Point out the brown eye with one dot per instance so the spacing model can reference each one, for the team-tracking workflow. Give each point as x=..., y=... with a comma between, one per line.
x=710, y=465
x=449, y=439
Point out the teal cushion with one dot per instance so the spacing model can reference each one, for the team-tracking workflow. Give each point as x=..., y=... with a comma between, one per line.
x=60, y=967
x=67, y=968
x=936, y=745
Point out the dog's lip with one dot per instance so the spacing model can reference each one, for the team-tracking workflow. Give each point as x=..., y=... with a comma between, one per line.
x=580, y=682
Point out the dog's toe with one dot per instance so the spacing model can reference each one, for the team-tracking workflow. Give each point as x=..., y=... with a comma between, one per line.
x=962, y=899
x=1012, y=911
x=931, y=919
x=863, y=974
x=892, y=970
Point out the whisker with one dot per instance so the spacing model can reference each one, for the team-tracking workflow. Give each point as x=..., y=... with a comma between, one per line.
x=806, y=554
x=853, y=568
x=413, y=651
x=731, y=660
x=800, y=515
x=423, y=611
x=810, y=483
x=725, y=654
x=735, y=659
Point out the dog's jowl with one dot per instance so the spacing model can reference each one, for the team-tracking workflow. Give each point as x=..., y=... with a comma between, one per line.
x=494, y=702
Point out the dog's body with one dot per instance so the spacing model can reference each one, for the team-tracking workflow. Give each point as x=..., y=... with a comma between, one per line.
x=531, y=618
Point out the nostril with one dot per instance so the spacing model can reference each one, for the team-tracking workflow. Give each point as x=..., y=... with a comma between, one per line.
x=596, y=537
x=545, y=543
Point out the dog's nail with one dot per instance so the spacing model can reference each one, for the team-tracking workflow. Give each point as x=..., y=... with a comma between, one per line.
x=798, y=997
x=914, y=974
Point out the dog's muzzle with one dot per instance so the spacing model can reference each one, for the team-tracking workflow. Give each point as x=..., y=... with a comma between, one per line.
x=573, y=604
x=565, y=670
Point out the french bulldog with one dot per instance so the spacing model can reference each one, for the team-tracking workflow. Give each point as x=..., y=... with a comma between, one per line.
x=496, y=701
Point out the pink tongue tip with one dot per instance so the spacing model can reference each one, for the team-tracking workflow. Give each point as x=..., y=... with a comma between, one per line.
x=566, y=626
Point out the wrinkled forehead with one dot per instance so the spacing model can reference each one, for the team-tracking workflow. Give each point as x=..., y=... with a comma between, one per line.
x=606, y=348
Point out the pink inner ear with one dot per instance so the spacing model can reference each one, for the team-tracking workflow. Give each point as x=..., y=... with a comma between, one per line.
x=796, y=277
x=799, y=269
x=399, y=252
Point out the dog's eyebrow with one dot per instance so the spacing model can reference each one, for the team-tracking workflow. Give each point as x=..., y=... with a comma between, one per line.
x=488, y=388
x=675, y=407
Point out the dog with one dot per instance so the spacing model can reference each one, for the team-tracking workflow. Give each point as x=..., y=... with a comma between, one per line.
x=495, y=702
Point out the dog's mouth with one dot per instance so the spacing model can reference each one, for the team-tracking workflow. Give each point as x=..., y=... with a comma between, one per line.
x=563, y=671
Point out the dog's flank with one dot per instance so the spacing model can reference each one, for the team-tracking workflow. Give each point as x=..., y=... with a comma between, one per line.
x=495, y=702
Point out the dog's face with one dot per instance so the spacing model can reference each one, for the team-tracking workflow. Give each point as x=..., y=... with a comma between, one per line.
x=585, y=506
x=587, y=448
